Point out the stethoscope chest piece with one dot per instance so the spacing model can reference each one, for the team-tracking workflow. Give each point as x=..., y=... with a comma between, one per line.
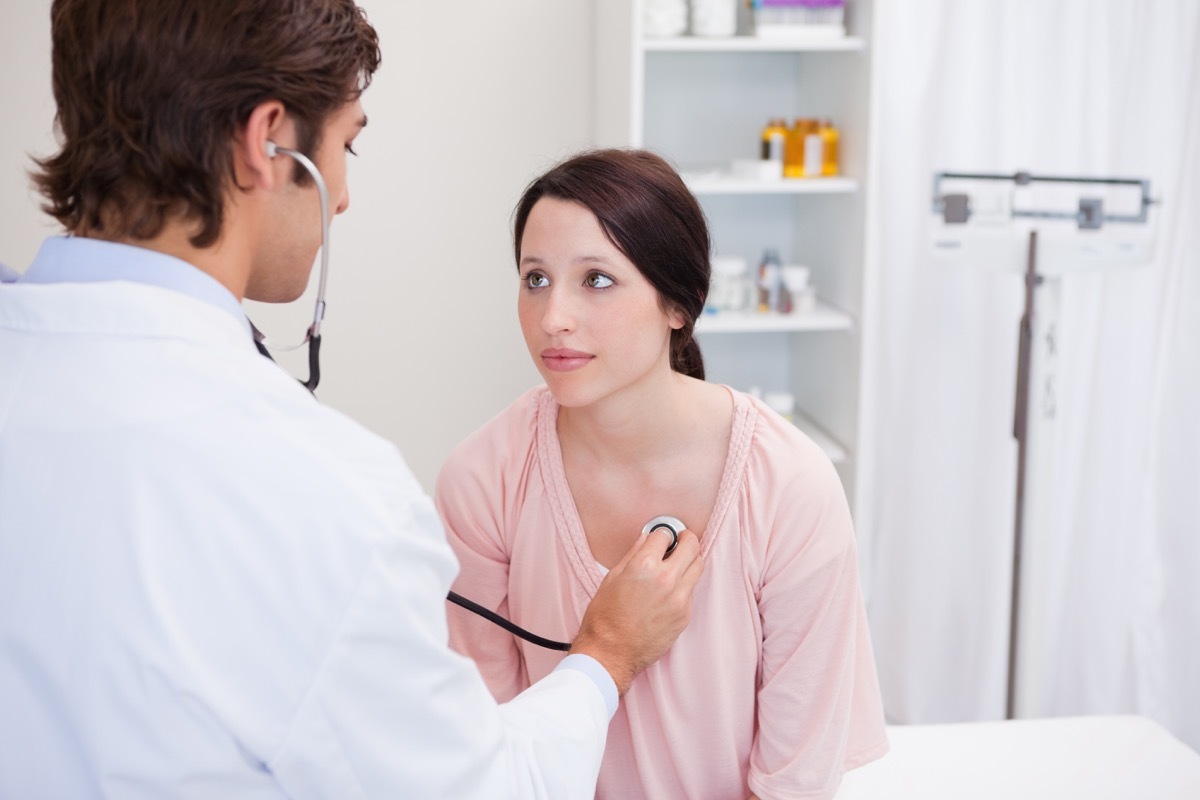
x=673, y=525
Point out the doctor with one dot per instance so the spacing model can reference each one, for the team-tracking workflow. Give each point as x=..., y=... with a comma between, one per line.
x=211, y=585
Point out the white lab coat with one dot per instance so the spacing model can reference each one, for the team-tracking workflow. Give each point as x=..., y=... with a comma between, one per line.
x=213, y=586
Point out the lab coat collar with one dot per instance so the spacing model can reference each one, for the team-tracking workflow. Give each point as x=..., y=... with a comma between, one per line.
x=62, y=293
x=72, y=259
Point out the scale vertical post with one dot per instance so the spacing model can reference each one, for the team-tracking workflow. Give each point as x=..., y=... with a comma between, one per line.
x=1021, y=433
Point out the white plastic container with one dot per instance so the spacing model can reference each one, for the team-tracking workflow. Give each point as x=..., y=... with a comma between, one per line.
x=664, y=18
x=714, y=17
x=729, y=287
x=802, y=298
x=756, y=169
x=795, y=277
x=800, y=19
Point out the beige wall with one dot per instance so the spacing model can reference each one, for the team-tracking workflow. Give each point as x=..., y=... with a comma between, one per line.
x=471, y=101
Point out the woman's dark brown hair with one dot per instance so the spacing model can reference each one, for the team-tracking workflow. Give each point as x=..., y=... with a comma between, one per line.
x=151, y=92
x=645, y=210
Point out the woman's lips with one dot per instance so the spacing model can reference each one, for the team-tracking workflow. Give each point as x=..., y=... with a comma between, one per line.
x=560, y=359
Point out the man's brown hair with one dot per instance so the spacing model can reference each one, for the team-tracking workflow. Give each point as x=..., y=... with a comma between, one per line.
x=151, y=92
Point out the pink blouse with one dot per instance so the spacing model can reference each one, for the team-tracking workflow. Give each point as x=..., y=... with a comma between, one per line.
x=771, y=689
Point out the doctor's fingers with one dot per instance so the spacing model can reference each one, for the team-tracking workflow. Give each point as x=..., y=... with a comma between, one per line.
x=649, y=548
x=680, y=571
x=687, y=560
x=667, y=545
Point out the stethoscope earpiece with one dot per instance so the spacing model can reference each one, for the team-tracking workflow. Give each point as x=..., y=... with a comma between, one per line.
x=672, y=525
x=313, y=336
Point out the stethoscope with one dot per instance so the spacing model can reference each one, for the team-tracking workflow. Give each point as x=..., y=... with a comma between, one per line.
x=313, y=339
x=671, y=525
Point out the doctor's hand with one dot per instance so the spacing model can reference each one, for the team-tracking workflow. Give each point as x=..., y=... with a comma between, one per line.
x=642, y=606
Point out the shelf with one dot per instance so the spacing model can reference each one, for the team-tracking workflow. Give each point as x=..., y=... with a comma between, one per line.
x=717, y=182
x=831, y=446
x=824, y=318
x=699, y=102
x=753, y=44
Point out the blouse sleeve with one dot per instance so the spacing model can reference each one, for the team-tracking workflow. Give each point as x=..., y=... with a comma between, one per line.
x=820, y=712
x=470, y=499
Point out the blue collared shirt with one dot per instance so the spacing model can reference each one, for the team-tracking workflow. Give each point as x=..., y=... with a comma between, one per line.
x=73, y=259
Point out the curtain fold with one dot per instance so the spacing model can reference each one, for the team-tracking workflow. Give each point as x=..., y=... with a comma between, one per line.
x=1075, y=87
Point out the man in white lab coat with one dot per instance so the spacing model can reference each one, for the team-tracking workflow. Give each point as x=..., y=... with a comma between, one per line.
x=211, y=585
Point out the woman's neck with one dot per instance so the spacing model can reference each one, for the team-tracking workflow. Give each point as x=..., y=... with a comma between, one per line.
x=637, y=427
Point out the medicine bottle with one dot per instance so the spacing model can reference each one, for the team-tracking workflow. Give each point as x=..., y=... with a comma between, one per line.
x=829, y=149
x=793, y=151
x=774, y=139
x=770, y=280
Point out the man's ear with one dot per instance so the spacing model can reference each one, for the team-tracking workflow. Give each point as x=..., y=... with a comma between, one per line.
x=253, y=158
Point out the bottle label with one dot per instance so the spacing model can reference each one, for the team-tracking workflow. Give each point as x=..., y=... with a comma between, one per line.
x=812, y=155
x=772, y=147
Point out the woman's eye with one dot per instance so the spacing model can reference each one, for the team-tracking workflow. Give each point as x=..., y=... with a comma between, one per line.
x=598, y=280
x=536, y=280
x=350, y=150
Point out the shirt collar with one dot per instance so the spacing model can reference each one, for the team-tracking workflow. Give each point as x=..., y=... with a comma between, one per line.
x=72, y=259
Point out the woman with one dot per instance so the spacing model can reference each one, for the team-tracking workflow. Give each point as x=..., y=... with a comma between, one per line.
x=771, y=690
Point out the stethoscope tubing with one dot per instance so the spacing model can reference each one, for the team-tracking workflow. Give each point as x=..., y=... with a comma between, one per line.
x=673, y=525
x=511, y=627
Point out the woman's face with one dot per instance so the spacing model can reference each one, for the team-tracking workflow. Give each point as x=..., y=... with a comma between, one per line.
x=592, y=322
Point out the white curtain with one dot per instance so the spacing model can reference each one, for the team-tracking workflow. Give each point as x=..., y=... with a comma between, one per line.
x=1069, y=87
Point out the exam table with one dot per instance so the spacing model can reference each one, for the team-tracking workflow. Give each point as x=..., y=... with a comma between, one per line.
x=1096, y=758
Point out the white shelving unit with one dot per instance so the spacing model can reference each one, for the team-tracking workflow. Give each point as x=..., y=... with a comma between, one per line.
x=823, y=318
x=702, y=103
x=721, y=182
x=748, y=44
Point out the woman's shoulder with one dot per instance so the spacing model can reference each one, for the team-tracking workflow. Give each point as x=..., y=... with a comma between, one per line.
x=791, y=492
x=780, y=446
x=505, y=438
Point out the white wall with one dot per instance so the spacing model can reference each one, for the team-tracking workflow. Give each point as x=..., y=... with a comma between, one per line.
x=28, y=112
x=472, y=100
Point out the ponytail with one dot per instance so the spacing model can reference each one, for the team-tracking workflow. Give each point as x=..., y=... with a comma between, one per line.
x=685, y=353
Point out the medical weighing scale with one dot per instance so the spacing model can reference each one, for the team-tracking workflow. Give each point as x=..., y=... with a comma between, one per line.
x=999, y=221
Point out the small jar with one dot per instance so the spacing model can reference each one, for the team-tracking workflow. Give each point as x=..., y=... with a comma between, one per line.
x=664, y=18
x=728, y=289
x=795, y=285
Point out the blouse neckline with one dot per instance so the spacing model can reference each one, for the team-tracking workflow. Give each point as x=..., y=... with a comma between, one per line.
x=562, y=503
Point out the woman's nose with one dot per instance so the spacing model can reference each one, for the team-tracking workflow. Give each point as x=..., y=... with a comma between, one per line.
x=559, y=315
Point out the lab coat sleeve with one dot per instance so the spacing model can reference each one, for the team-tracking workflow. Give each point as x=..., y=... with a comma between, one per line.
x=470, y=499
x=819, y=710
x=392, y=712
